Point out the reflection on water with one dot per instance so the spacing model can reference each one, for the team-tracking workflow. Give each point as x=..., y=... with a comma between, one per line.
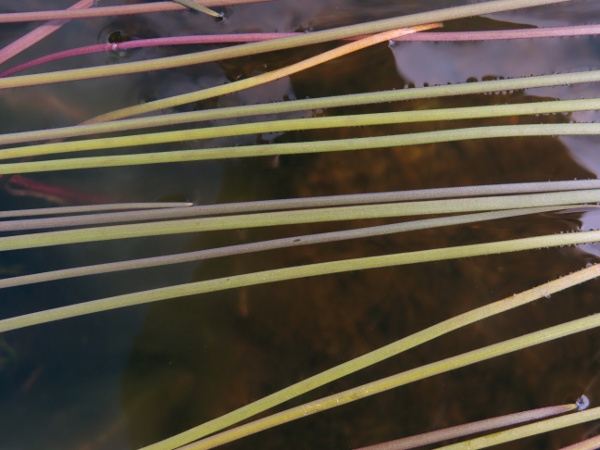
x=127, y=378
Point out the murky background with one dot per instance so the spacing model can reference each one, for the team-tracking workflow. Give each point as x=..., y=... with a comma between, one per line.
x=126, y=378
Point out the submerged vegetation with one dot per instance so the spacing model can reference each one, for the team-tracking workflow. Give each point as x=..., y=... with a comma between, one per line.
x=201, y=244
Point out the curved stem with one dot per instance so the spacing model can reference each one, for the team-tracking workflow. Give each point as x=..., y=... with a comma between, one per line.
x=306, y=104
x=264, y=78
x=278, y=44
x=452, y=36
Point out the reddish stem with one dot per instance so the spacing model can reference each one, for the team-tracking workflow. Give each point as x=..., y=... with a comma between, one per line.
x=39, y=33
x=491, y=35
x=18, y=184
x=466, y=429
x=254, y=37
x=156, y=42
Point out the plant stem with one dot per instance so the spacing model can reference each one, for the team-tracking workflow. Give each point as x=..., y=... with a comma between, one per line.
x=178, y=211
x=592, y=443
x=291, y=273
x=376, y=356
x=196, y=7
x=404, y=378
x=185, y=210
x=293, y=241
x=496, y=35
x=264, y=78
x=456, y=36
x=112, y=11
x=278, y=44
x=465, y=429
x=306, y=104
x=332, y=214
x=299, y=148
x=312, y=123
x=536, y=428
x=39, y=33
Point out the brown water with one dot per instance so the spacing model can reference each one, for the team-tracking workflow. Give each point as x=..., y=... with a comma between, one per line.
x=127, y=378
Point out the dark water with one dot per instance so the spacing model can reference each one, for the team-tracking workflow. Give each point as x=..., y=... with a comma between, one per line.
x=124, y=379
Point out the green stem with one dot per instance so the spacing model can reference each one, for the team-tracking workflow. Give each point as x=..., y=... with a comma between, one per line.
x=298, y=148
x=333, y=214
x=478, y=427
x=420, y=373
x=378, y=355
x=87, y=209
x=291, y=273
x=306, y=104
x=536, y=428
x=240, y=85
x=196, y=7
x=358, y=120
x=293, y=241
x=186, y=211
x=138, y=212
x=274, y=45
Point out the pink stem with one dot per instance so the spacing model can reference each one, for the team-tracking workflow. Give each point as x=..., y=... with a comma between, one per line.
x=103, y=11
x=36, y=188
x=253, y=37
x=527, y=33
x=39, y=33
x=181, y=40
x=480, y=426
x=589, y=444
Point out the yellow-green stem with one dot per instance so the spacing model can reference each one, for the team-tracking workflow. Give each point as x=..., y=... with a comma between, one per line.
x=331, y=214
x=378, y=355
x=311, y=123
x=274, y=45
x=410, y=376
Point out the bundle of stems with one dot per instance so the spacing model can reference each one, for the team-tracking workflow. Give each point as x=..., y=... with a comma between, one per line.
x=50, y=150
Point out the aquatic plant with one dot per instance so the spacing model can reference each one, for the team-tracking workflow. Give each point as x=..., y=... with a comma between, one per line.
x=526, y=216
